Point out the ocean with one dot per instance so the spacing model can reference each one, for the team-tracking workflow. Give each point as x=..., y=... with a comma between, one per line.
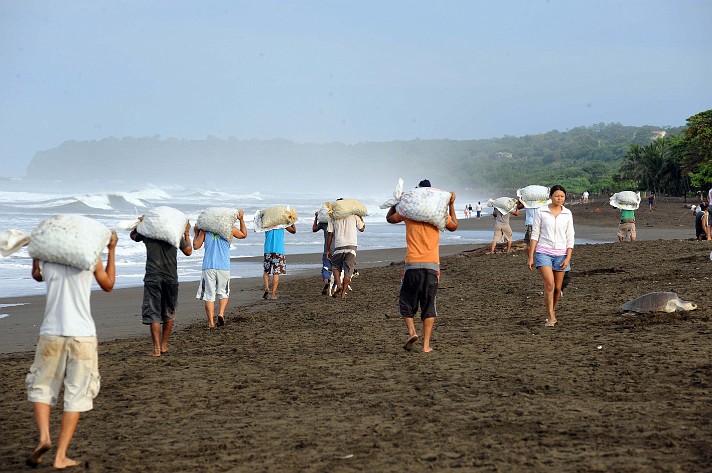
x=25, y=204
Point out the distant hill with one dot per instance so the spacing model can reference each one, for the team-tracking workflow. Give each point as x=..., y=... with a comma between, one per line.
x=582, y=158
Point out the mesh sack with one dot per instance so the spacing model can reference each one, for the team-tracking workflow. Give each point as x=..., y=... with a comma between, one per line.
x=345, y=207
x=219, y=220
x=626, y=200
x=73, y=240
x=165, y=224
x=533, y=196
x=425, y=204
x=503, y=204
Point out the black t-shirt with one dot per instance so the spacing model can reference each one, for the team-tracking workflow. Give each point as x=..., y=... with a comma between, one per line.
x=161, y=258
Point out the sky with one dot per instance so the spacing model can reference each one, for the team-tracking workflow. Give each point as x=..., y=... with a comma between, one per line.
x=346, y=71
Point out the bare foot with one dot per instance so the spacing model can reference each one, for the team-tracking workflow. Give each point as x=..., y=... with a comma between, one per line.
x=36, y=458
x=65, y=463
x=155, y=352
x=164, y=349
x=551, y=323
x=427, y=350
x=274, y=297
x=409, y=343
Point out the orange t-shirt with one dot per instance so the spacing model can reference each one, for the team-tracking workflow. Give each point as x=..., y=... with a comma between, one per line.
x=423, y=240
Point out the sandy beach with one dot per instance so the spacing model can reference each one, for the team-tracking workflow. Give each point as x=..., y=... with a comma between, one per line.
x=309, y=383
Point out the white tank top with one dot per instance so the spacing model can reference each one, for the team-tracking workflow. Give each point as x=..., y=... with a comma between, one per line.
x=67, y=312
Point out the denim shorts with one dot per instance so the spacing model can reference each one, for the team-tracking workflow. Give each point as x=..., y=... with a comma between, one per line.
x=542, y=259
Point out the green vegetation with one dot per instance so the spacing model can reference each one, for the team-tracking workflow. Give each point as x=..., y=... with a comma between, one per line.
x=676, y=164
x=584, y=158
x=602, y=158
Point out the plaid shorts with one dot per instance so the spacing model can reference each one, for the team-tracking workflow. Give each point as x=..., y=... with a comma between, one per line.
x=275, y=263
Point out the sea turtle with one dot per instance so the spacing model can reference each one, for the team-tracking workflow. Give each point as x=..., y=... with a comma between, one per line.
x=658, y=302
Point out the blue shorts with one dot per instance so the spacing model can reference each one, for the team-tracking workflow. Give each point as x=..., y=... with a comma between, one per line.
x=542, y=259
x=325, y=267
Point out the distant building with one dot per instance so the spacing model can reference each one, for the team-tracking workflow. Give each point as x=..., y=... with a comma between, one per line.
x=501, y=155
x=659, y=134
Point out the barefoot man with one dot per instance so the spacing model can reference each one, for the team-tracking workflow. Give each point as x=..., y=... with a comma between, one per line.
x=160, y=286
x=422, y=271
x=66, y=351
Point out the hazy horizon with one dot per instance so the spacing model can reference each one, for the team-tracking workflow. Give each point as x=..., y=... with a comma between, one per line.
x=326, y=72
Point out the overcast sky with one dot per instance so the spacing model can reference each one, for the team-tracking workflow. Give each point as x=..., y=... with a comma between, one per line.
x=322, y=71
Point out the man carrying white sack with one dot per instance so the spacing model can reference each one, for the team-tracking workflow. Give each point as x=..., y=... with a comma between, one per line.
x=66, y=351
x=502, y=228
x=215, y=280
x=160, y=286
x=342, y=237
x=421, y=275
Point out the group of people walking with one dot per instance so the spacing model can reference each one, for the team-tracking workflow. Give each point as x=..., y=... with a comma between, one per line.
x=67, y=346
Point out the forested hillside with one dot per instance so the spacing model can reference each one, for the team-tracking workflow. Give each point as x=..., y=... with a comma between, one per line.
x=584, y=158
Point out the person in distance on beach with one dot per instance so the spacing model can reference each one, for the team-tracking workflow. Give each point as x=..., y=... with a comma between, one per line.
x=66, y=351
x=160, y=286
x=478, y=208
x=528, y=222
x=215, y=280
x=700, y=228
x=325, y=261
x=626, y=228
x=502, y=228
x=421, y=275
x=274, y=259
x=343, y=238
x=551, y=246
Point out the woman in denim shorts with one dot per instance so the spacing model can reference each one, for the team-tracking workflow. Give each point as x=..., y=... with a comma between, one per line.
x=552, y=242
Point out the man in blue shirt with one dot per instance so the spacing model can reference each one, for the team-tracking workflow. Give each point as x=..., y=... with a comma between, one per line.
x=215, y=280
x=274, y=262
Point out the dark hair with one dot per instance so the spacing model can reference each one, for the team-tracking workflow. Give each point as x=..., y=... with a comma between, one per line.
x=424, y=183
x=557, y=188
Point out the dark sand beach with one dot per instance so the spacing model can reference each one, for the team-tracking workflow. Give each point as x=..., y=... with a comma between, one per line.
x=308, y=383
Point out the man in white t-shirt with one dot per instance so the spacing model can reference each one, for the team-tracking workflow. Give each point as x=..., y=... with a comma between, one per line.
x=342, y=236
x=66, y=351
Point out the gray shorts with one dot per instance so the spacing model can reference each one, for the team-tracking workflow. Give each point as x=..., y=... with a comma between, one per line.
x=345, y=263
x=72, y=361
x=214, y=282
x=159, y=301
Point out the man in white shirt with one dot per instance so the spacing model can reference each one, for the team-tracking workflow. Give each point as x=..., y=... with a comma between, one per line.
x=66, y=351
x=343, y=238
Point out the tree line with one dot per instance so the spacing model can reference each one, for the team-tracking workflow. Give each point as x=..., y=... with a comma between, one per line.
x=675, y=165
x=602, y=158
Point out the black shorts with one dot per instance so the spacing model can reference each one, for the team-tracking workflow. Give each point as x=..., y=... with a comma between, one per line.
x=159, y=301
x=419, y=287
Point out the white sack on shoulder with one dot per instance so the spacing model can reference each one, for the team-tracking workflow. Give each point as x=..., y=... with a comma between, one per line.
x=12, y=240
x=128, y=225
x=503, y=204
x=345, y=207
x=397, y=194
x=626, y=200
x=278, y=215
x=533, y=196
x=425, y=204
x=73, y=240
x=165, y=224
x=273, y=218
x=323, y=215
x=219, y=220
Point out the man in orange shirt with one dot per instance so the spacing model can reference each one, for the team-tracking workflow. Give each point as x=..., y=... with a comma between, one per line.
x=419, y=285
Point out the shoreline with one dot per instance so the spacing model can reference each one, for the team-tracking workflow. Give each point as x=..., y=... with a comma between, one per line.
x=311, y=383
x=117, y=314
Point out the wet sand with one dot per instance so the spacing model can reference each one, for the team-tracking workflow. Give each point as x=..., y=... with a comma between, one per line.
x=308, y=383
